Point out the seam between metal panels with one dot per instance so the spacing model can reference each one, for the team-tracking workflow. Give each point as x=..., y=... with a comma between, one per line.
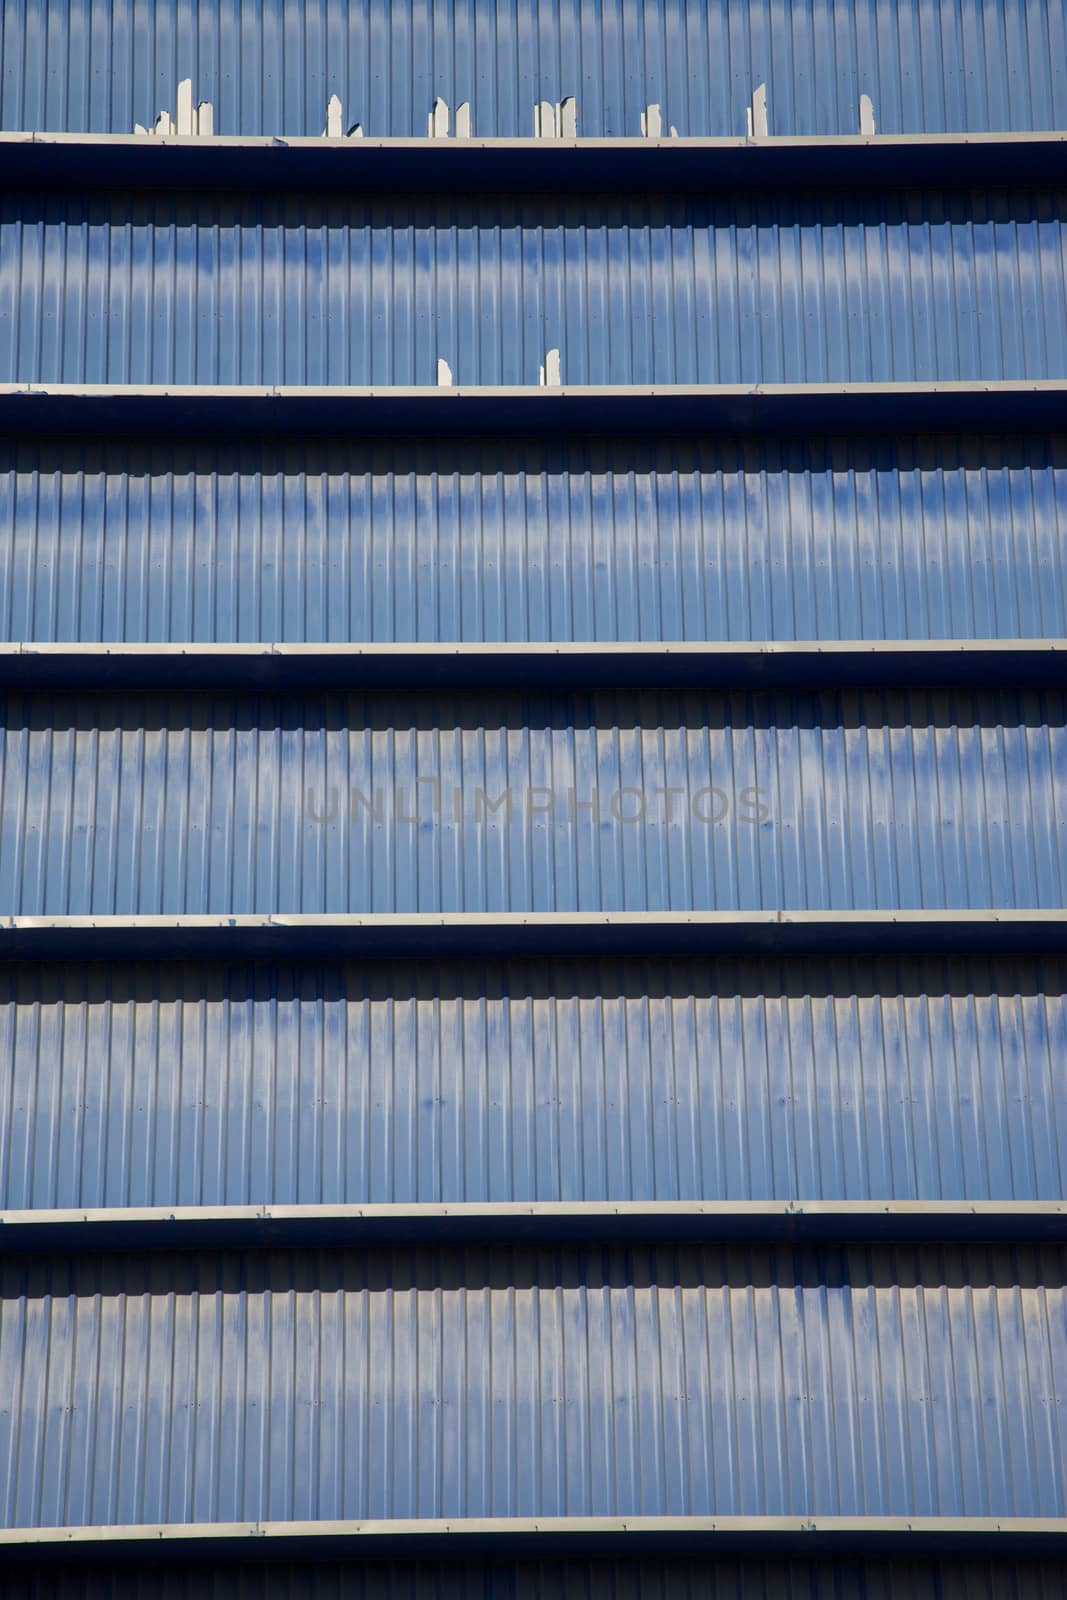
x=532, y=933
x=265, y=1540
x=120, y=1228
x=1037, y=662
x=191, y=410
x=562, y=165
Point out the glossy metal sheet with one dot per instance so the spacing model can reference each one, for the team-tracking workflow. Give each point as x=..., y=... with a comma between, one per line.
x=658, y=1382
x=460, y=541
x=269, y=68
x=919, y=1078
x=231, y=288
x=616, y=802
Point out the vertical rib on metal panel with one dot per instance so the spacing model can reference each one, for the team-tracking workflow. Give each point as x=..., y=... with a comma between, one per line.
x=306, y=290
x=533, y=1383
x=987, y=64
x=616, y=802
x=790, y=1080
x=821, y=539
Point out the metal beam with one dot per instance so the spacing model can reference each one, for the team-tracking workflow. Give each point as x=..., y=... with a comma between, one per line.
x=1038, y=663
x=197, y=411
x=530, y=934
x=111, y=161
x=364, y=1226
x=538, y=1537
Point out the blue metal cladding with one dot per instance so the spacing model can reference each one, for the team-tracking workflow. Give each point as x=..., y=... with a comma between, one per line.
x=968, y=65
x=299, y=290
x=669, y=1381
x=911, y=1079
x=462, y=541
x=635, y=1578
x=622, y=801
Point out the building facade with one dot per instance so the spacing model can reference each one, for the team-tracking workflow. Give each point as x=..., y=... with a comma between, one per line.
x=533, y=798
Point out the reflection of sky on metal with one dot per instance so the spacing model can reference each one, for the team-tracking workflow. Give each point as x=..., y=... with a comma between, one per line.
x=325, y=291
x=270, y=69
x=556, y=1382
x=207, y=804
x=904, y=1079
x=762, y=539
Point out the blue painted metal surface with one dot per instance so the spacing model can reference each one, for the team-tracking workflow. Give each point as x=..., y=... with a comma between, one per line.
x=637, y=1578
x=269, y=68
x=566, y=540
x=628, y=801
x=298, y=290
x=668, y=1381
x=235, y=1084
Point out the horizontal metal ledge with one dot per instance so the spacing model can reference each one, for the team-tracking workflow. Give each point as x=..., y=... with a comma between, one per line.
x=538, y=1537
x=56, y=160
x=1036, y=663
x=270, y=1226
x=194, y=411
x=529, y=934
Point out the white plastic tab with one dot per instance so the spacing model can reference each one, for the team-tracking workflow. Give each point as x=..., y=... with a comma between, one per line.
x=334, y=118
x=204, y=119
x=568, y=118
x=444, y=374
x=185, y=107
x=463, y=120
x=163, y=123
x=867, y=115
x=758, y=127
x=548, y=376
x=437, y=123
x=651, y=123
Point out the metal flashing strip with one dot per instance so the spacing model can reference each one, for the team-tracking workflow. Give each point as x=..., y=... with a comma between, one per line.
x=536, y=1536
x=516, y=1222
x=1037, y=663
x=526, y=934
x=198, y=411
x=74, y=160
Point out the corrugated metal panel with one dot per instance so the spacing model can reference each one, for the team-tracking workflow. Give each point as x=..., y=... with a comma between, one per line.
x=206, y=1085
x=673, y=1381
x=299, y=290
x=634, y=1579
x=719, y=539
x=626, y=801
x=269, y=68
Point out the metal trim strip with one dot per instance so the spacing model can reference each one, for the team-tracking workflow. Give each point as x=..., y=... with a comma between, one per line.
x=1037, y=663
x=541, y=1536
x=360, y=1226
x=196, y=411
x=58, y=160
x=463, y=934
